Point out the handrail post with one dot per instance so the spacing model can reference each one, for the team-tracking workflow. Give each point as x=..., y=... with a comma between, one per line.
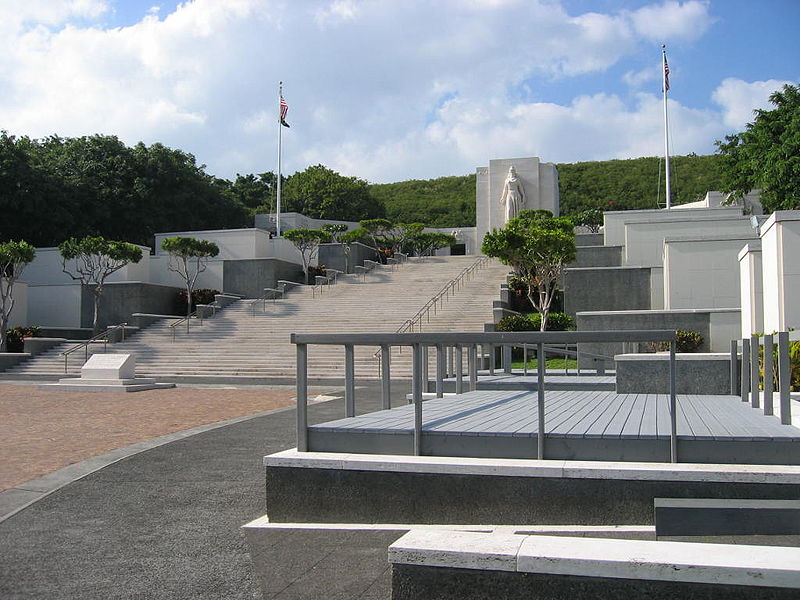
x=472, y=367
x=755, y=397
x=349, y=381
x=525, y=359
x=416, y=396
x=784, y=377
x=506, y=352
x=540, y=368
x=302, y=398
x=769, y=347
x=386, y=382
x=491, y=359
x=734, y=367
x=440, y=366
x=451, y=370
x=673, y=406
x=745, y=370
x=459, y=360
x=424, y=368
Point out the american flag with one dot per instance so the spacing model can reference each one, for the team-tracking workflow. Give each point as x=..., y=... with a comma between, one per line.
x=285, y=109
x=666, y=74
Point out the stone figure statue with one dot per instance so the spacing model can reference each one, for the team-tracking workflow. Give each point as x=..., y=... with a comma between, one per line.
x=513, y=198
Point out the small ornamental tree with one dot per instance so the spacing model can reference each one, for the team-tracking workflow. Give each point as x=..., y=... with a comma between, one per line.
x=188, y=257
x=92, y=260
x=307, y=241
x=537, y=248
x=335, y=229
x=592, y=219
x=427, y=242
x=13, y=258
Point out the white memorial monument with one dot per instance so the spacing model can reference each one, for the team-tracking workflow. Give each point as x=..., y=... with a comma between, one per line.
x=107, y=373
x=509, y=185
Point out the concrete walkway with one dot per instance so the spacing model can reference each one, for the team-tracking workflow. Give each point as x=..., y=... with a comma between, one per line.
x=162, y=523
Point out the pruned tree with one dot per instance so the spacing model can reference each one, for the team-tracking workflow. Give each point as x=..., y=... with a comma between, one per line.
x=188, y=257
x=335, y=229
x=95, y=259
x=14, y=256
x=592, y=219
x=307, y=241
x=427, y=242
x=538, y=249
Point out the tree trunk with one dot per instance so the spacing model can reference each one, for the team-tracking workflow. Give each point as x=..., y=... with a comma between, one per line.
x=3, y=328
x=96, y=319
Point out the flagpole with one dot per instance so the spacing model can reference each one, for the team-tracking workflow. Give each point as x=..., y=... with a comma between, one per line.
x=665, y=89
x=280, y=135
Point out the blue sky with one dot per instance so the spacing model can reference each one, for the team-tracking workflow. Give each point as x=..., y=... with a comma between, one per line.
x=393, y=89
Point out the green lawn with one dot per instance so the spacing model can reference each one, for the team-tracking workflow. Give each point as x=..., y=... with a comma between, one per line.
x=552, y=363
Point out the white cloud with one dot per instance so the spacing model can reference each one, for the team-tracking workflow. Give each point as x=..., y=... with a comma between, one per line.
x=738, y=99
x=382, y=90
x=672, y=20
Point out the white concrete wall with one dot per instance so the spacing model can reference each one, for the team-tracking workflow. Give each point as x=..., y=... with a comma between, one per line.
x=644, y=241
x=657, y=288
x=614, y=221
x=780, y=258
x=702, y=273
x=751, y=291
x=19, y=314
x=233, y=243
x=210, y=279
x=55, y=305
x=45, y=269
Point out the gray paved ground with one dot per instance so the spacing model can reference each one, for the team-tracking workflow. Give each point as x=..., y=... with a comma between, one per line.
x=164, y=523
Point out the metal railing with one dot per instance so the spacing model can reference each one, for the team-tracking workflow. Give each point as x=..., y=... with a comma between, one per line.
x=420, y=342
x=758, y=365
x=100, y=337
x=199, y=315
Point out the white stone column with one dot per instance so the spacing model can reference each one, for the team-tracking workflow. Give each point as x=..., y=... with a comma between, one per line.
x=750, y=278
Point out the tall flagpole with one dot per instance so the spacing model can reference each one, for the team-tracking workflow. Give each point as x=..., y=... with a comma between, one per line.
x=665, y=89
x=280, y=134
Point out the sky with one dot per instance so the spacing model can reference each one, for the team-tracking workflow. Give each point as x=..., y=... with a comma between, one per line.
x=389, y=90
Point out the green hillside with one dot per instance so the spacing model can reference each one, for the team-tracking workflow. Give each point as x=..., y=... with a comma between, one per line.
x=608, y=185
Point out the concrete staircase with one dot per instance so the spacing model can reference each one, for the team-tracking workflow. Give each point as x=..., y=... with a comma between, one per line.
x=250, y=339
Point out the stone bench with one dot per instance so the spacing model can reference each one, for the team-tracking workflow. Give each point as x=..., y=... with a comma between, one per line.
x=467, y=565
x=696, y=373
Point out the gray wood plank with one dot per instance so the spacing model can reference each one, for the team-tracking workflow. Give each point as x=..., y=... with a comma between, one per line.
x=616, y=424
x=633, y=425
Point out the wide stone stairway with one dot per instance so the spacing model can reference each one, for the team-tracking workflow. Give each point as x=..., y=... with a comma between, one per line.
x=250, y=338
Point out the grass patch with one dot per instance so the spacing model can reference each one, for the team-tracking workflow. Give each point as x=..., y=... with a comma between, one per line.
x=552, y=363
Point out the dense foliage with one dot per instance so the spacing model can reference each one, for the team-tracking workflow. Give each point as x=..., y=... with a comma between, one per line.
x=13, y=258
x=556, y=321
x=321, y=193
x=766, y=155
x=605, y=185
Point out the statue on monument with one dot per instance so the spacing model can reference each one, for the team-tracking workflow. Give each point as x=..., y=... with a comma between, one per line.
x=513, y=198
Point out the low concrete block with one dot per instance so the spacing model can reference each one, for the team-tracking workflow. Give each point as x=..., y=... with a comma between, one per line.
x=722, y=517
x=9, y=359
x=695, y=373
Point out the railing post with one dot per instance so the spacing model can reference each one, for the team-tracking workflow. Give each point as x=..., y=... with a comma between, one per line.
x=302, y=398
x=755, y=396
x=440, y=365
x=506, y=358
x=734, y=367
x=525, y=359
x=784, y=377
x=416, y=396
x=451, y=371
x=472, y=367
x=540, y=368
x=349, y=381
x=425, y=377
x=492, y=358
x=769, y=347
x=459, y=360
x=673, y=405
x=745, y=370
x=386, y=381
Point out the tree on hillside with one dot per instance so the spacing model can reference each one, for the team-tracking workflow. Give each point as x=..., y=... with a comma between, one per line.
x=320, y=193
x=92, y=260
x=13, y=258
x=766, y=155
x=188, y=257
x=538, y=249
x=307, y=241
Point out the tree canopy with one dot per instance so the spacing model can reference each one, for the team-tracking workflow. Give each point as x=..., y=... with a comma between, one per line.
x=320, y=193
x=538, y=248
x=188, y=257
x=766, y=155
x=307, y=241
x=13, y=258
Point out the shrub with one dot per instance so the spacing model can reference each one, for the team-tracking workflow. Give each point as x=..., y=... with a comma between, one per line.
x=16, y=335
x=685, y=341
x=533, y=321
x=203, y=296
x=314, y=271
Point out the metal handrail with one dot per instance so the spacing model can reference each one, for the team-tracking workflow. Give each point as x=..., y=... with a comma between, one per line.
x=273, y=292
x=85, y=345
x=198, y=314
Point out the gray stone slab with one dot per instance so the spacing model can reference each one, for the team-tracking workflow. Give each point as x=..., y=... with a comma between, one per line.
x=724, y=517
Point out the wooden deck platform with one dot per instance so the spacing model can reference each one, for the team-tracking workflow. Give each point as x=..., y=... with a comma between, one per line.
x=580, y=425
